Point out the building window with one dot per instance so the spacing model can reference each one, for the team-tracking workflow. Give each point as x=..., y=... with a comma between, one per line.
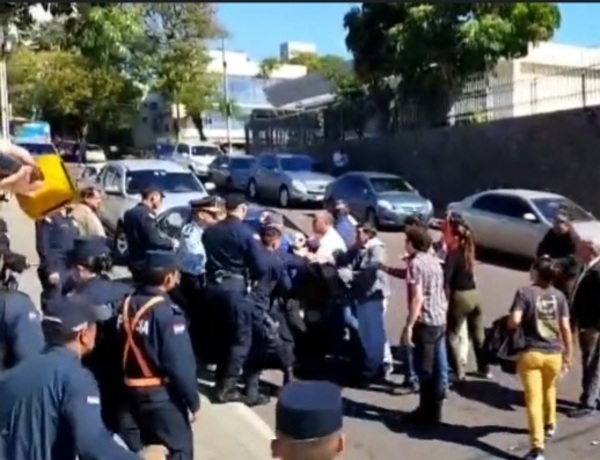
x=144, y=120
x=153, y=105
x=245, y=90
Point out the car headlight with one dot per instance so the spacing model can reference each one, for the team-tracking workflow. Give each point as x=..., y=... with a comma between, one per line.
x=299, y=185
x=385, y=204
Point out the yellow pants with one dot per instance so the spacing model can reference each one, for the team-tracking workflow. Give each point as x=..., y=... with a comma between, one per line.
x=539, y=373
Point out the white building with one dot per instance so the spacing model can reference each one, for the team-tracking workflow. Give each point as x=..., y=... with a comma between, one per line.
x=288, y=50
x=552, y=77
x=246, y=91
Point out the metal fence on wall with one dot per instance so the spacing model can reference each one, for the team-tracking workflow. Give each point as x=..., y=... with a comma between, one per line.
x=537, y=89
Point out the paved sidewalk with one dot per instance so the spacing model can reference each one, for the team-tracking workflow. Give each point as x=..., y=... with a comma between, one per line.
x=228, y=431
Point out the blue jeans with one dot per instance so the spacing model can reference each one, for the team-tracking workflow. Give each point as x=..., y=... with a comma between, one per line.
x=435, y=359
x=408, y=364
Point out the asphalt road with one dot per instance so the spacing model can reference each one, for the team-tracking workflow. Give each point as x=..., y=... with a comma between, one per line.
x=485, y=421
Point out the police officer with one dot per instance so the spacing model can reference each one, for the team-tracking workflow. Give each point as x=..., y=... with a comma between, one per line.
x=91, y=261
x=273, y=220
x=50, y=403
x=272, y=342
x=20, y=328
x=233, y=258
x=158, y=360
x=309, y=422
x=141, y=231
x=344, y=223
x=55, y=236
x=205, y=212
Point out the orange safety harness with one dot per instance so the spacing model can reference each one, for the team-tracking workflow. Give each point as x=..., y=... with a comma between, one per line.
x=149, y=379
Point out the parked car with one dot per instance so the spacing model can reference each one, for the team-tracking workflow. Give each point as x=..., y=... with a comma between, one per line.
x=231, y=171
x=379, y=198
x=196, y=156
x=89, y=173
x=122, y=181
x=514, y=221
x=287, y=178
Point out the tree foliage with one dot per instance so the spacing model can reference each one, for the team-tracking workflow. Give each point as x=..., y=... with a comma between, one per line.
x=177, y=36
x=432, y=48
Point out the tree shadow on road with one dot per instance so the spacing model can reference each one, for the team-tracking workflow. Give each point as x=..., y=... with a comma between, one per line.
x=499, y=397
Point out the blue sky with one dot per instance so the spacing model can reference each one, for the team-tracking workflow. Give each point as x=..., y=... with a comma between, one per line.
x=259, y=28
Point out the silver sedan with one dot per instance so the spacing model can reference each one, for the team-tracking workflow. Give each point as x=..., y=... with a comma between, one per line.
x=514, y=221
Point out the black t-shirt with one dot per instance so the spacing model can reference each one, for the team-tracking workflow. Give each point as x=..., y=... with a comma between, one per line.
x=457, y=275
x=543, y=309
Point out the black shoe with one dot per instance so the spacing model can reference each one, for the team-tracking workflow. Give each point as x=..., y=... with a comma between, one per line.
x=256, y=400
x=582, y=412
x=228, y=392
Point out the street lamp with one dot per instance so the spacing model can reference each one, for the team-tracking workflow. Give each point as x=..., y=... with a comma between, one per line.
x=8, y=37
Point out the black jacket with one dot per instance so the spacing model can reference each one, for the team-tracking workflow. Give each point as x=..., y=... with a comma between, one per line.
x=585, y=300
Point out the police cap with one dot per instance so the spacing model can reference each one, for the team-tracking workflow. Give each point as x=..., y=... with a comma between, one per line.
x=71, y=313
x=88, y=247
x=233, y=200
x=161, y=261
x=209, y=204
x=309, y=410
x=150, y=189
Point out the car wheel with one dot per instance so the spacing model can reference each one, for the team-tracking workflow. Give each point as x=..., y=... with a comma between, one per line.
x=120, y=247
x=284, y=197
x=371, y=218
x=252, y=193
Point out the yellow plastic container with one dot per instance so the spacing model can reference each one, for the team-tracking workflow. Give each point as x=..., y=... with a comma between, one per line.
x=58, y=189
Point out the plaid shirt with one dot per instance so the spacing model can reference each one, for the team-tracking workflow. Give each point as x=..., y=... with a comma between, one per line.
x=425, y=270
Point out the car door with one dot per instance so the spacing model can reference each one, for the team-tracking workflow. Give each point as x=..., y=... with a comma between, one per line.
x=265, y=175
x=484, y=216
x=522, y=226
x=115, y=200
x=357, y=196
x=219, y=170
x=182, y=154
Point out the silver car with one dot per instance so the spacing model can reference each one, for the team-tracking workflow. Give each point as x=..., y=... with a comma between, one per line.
x=514, y=221
x=287, y=178
x=379, y=198
x=231, y=171
x=121, y=183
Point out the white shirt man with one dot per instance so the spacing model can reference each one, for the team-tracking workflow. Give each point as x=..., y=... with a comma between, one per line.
x=329, y=243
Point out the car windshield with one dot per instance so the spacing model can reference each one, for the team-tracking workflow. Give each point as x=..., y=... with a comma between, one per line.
x=549, y=207
x=167, y=182
x=241, y=163
x=390, y=184
x=297, y=163
x=205, y=150
x=38, y=149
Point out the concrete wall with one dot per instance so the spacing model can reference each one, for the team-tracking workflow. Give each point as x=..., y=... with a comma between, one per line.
x=558, y=152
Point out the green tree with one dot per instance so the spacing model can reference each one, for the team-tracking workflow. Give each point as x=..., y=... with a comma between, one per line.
x=178, y=34
x=327, y=64
x=432, y=49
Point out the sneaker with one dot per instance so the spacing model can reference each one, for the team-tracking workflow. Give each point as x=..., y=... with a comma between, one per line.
x=535, y=454
x=388, y=370
x=550, y=431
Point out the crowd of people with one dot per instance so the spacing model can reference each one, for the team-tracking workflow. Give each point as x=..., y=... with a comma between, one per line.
x=110, y=368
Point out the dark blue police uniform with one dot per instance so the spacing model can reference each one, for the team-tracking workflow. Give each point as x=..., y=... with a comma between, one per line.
x=50, y=403
x=55, y=236
x=159, y=364
x=308, y=411
x=272, y=342
x=104, y=361
x=21, y=334
x=346, y=229
x=142, y=233
x=234, y=257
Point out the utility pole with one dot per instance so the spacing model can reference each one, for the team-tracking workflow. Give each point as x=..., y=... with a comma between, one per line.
x=4, y=47
x=226, y=95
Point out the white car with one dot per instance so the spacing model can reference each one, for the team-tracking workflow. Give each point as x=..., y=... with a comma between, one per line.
x=89, y=173
x=514, y=221
x=196, y=156
x=122, y=182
